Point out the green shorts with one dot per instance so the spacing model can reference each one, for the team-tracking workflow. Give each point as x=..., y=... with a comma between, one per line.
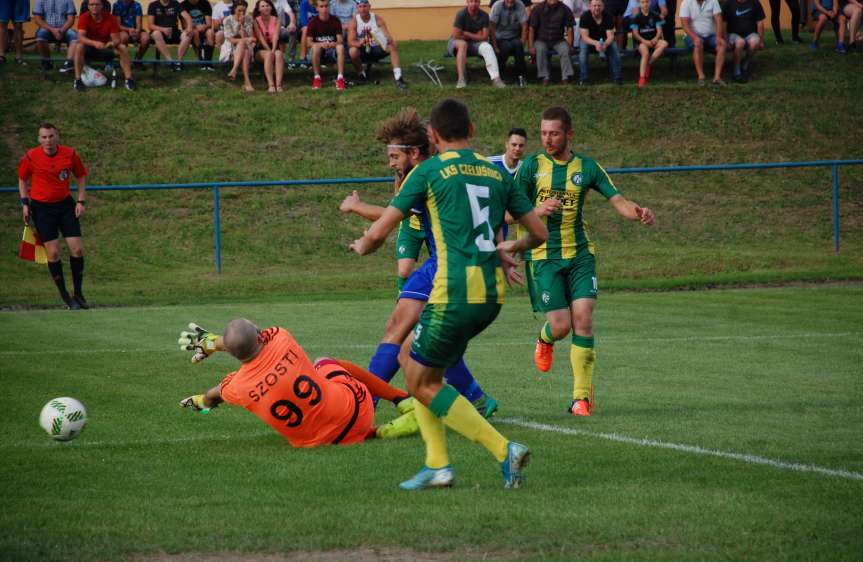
x=442, y=333
x=554, y=284
x=409, y=242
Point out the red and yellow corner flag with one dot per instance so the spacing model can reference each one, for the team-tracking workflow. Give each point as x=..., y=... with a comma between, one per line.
x=31, y=248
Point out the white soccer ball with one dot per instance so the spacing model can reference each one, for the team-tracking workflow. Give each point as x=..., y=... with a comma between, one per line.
x=63, y=418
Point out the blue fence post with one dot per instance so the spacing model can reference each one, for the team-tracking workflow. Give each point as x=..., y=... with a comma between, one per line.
x=217, y=227
x=836, y=207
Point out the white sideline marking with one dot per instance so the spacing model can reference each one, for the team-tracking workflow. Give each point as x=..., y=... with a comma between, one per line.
x=751, y=459
x=495, y=343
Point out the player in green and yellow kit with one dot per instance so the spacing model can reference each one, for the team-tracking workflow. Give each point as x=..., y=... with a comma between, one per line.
x=464, y=196
x=561, y=274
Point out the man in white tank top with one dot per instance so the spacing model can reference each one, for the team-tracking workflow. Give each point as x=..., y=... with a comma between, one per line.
x=370, y=41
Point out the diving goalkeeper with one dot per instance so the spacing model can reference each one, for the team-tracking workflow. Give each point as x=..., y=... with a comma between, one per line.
x=328, y=403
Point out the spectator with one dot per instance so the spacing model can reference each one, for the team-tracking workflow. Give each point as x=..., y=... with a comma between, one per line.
x=99, y=39
x=48, y=203
x=239, y=30
x=85, y=7
x=308, y=10
x=198, y=21
x=131, y=18
x=745, y=21
x=617, y=10
x=470, y=37
x=824, y=11
x=287, y=26
x=345, y=10
x=775, y=9
x=221, y=10
x=163, y=19
x=55, y=21
x=508, y=32
x=597, y=36
x=18, y=12
x=702, y=24
x=324, y=36
x=510, y=160
x=269, y=50
x=577, y=7
x=551, y=25
x=669, y=28
x=647, y=34
x=370, y=40
x=853, y=11
x=658, y=6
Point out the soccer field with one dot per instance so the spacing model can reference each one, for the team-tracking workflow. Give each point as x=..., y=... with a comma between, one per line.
x=729, y=426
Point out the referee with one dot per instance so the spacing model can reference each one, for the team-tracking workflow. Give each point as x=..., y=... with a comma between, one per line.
x=48, y=205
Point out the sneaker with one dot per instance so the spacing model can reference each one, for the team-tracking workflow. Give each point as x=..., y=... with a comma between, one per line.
x=79, y=85
x=498, y=83
x=460, y=84
x=430, y=478
x=584, y=82
x=67, y=66
x=740, y=77
x=82, y=302
x=543, y=355
x=340, y=84
x=47, y=64
x=840, y=48
x=517, y=457
x=580, y=407
x=521, y=82
x=401, y=84
x=130, y=84
x=405, y=406
x=718, y=82
x=176, y=66
x=403, y=426
x=642, y=82
x=316, y=83
x=486, y=406
x=813, y=45
x=72, y=303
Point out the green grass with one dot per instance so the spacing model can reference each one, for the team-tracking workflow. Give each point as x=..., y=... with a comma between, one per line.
x=770, y=372
x=713, y=228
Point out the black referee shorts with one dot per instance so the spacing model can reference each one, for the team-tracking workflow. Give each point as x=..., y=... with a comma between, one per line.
x=48, y=218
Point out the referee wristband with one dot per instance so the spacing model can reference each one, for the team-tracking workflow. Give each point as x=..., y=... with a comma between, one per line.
x=25, y=201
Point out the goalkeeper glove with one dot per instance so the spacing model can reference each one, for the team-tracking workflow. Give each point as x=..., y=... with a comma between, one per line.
x=197, y=404
x=199, y=340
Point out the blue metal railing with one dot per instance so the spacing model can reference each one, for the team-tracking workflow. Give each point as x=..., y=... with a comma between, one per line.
x=216, y=186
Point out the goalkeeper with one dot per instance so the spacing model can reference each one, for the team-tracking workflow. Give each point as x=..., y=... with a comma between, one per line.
x=329, y=402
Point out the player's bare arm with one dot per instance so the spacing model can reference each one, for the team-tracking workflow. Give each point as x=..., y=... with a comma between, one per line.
x=24, y=192
x=377, y=233
x=352, y=204
x=630, y=210
x=537, y=234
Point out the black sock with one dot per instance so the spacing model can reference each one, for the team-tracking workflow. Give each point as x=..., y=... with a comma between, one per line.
x=208, y=53
x=56, y=270
x=77, y=267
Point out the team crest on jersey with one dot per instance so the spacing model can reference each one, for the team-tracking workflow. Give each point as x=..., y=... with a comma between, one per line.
x=576, y=178
x=63, y=175
x=402, y=249
x=545, y=297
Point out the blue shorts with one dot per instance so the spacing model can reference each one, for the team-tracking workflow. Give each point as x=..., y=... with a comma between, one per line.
x=45, y=36
x=14, y=10
x=329, y=56
x=709, y=43
x=419, y=285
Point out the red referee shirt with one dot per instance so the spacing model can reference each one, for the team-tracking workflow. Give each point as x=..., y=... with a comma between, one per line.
x=50, y=175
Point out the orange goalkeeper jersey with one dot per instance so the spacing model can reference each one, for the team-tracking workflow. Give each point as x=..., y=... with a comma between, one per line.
x=309, y=407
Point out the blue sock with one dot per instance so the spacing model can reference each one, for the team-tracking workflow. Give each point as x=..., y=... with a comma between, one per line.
x=385, y=362
x=460, y=377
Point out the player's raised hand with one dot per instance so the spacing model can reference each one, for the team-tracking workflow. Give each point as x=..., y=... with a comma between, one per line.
x=199, y=340
x=360, y=245
x=547, y=207
x=197, y=404
x=347, y=205
x=645, y=215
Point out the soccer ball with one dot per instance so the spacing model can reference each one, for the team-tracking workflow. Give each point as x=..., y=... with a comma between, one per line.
x=63, y=418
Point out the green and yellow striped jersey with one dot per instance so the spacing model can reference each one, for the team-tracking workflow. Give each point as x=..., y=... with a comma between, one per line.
x=542, y=177
x=465, y=197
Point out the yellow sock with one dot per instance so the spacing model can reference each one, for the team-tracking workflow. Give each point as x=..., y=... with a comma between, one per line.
x=464, y=418
x=582, y=356
x=433, y=432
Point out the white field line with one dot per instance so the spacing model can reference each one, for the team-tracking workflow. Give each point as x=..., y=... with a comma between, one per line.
x=494, y=343
x=692, y=449
x=121, y=444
